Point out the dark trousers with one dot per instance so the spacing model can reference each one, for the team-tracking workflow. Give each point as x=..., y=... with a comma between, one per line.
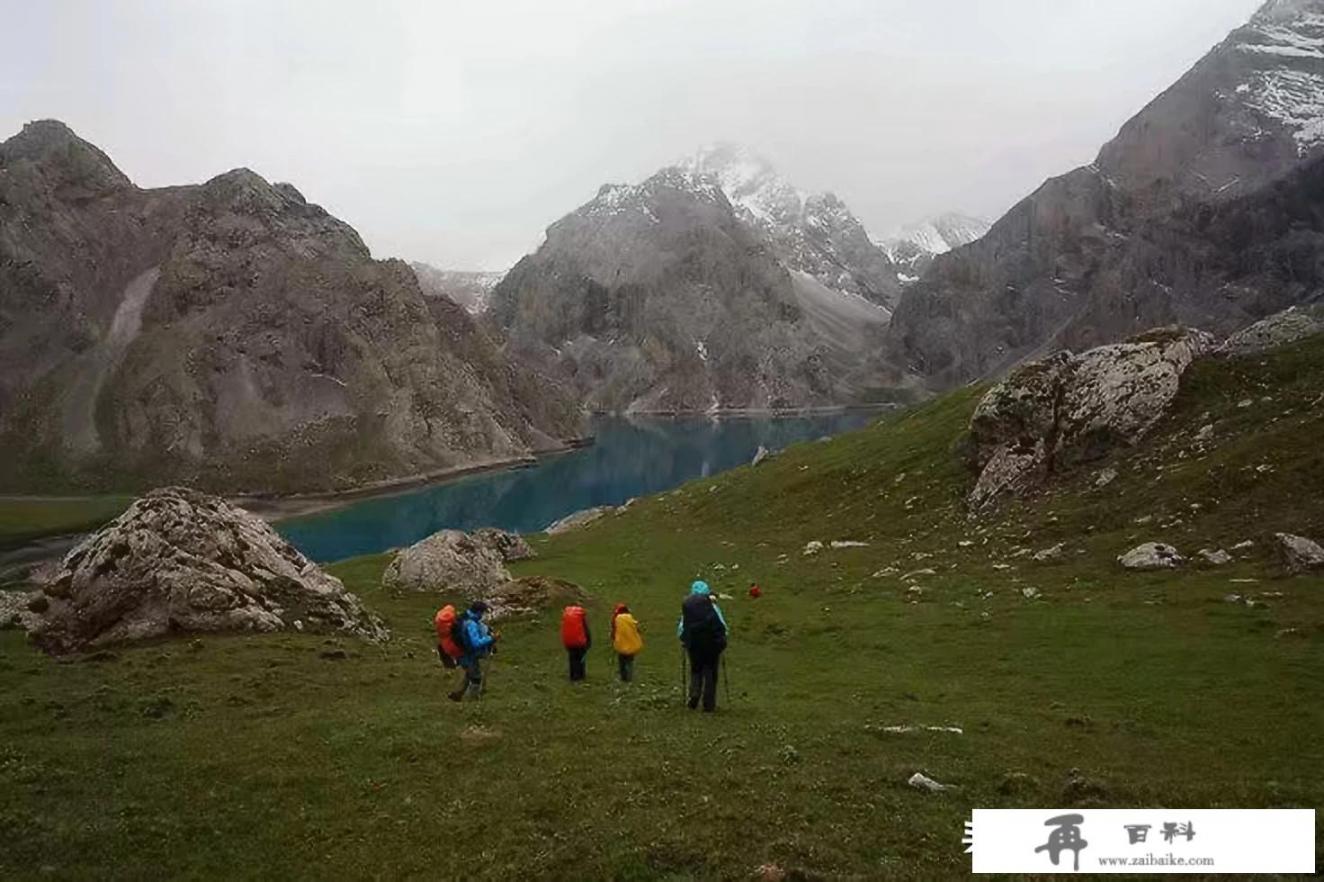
x=471, y=684
x=703, y=676
x=577, y=668
x=625, y=664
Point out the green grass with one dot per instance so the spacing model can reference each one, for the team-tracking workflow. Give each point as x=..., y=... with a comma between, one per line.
x=24, y=519
x=255, y=757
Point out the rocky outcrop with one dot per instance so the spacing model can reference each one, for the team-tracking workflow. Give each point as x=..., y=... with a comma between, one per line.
x=578, y=519
x=448, y=561
x=230, y=335
x=1151, y=556
x=1299, y=554
x=178, y=562
x=22, y=609
x=511, y=546
x=1204, y=211
x=1279, y=329
x=1070, y=409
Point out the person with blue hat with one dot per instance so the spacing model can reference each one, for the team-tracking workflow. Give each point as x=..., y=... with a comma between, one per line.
x=702, y=631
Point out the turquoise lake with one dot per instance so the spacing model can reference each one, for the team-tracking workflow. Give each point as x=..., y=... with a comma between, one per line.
x=630, y=457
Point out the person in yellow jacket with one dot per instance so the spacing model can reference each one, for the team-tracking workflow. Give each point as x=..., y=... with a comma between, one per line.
x=626, y=640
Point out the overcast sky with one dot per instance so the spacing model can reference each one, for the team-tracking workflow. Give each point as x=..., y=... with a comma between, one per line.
x=454, y=132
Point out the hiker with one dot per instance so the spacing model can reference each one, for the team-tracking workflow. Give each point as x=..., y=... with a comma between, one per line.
x=702, y=630
x=626, y=640
x=576, y=639
x=475, y=642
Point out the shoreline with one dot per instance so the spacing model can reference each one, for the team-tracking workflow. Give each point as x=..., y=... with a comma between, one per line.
x=274, y=508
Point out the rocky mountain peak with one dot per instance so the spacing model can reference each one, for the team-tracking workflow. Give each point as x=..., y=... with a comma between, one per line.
x=1277, y=11
x=71, y=162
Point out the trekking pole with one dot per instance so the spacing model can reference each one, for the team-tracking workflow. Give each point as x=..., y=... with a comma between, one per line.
x=682, y=675
x=726, y=680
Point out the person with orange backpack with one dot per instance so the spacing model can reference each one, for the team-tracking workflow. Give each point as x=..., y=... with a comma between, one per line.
x=470, y=635
x=626, y=640
x=576, y=639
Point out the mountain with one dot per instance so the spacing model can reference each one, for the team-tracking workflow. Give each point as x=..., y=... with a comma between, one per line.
x=663, y=296
x=810, y=233
x=231, y=335
x=913, y=248
x=1207, y=209
x=467, y=288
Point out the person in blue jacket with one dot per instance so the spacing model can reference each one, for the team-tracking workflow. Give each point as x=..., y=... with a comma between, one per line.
x=478, y=642
x=702, y=630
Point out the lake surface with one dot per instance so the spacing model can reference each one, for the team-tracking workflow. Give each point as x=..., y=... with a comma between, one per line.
x=631, y=457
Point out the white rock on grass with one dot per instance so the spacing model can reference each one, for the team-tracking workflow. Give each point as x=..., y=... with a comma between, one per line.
x=578, y=519
x=1151, y=556
x=920, y=781
x=1298, y=553
x=450, y=560
x=849, y=543
x=813, y=547
x=179, y=561
x=1051, y=555
x=1215, y=557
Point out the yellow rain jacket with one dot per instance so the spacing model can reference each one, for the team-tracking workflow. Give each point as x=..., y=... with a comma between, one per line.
x=628, y=640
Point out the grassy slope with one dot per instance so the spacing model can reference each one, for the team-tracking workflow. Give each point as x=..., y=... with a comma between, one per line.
x=25, y=519
x=247, y=757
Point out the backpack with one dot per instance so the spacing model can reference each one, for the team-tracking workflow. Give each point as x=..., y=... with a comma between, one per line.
x=574, y=628
x=702, y=626
x=628, y=640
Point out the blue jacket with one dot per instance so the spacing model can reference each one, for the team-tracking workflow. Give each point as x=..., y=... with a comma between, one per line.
x=477, y=639
x=702, y=588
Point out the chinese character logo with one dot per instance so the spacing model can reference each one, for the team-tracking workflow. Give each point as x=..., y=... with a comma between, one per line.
x=1137, y=832
x=1171, y=831
x=1066, y=837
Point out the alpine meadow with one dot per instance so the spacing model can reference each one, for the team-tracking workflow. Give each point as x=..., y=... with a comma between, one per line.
x=772, y=516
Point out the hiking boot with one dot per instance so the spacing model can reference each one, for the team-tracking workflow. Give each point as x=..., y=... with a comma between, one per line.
x=456, y=696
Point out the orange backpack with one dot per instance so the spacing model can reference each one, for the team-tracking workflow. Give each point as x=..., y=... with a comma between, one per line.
x=574, y=628
x=445, y=623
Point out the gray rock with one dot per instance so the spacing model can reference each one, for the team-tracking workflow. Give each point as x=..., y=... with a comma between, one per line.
x=1069, y=408
x=1279, y=329
x=1299, y=554
x=578, y=519
x=448, y=561
x=1105, y=477
x=179, y=561
x=1051, y=555
x=1214, y=557
x=1151, y=556
x=16, y=609
x=760, y=456
x=511, y=546
x=920, y=781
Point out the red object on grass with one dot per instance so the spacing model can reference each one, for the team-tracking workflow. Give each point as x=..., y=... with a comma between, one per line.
x=755, y=591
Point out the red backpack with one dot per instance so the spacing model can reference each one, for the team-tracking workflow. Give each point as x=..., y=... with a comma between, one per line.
x=445, y=623
x=574, y=628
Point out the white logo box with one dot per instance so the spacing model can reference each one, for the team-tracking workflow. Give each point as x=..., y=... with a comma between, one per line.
x=1142, y=841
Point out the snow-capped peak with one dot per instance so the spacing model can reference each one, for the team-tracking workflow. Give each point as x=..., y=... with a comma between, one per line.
x=749, y=182
x=940, y=234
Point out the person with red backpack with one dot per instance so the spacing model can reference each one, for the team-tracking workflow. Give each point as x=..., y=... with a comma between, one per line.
x=702, y=631
x=475, y=642
x=447, y=650
x=576, y=639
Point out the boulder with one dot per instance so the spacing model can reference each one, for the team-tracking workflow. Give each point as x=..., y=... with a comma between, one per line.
x=450, y=561
x=511, y=546
x=1214, y=557
x=179, y=561
x=1052, y=555
x=578, y=519
x=1298, y=553
x=1279, y=329
x=530, y=595
x=1069, y=409
x=760, y=456
x=920, y=781
x=1151, y=556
